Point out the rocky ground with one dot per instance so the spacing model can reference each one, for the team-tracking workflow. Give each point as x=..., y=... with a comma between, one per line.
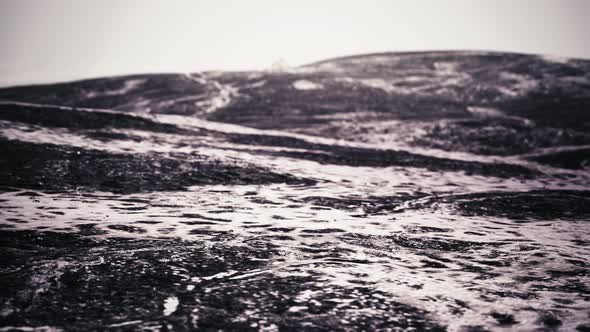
x=437, y=191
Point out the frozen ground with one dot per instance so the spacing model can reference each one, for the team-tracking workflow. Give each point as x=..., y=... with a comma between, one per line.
x=419, y=191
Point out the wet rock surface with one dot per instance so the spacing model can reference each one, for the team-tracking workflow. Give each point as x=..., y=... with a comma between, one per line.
x=415, y=191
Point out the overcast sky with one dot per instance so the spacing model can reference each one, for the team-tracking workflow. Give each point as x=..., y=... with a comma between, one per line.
x=57, y=40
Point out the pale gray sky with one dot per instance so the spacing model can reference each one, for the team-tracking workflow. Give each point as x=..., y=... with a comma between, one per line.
x=57, y=40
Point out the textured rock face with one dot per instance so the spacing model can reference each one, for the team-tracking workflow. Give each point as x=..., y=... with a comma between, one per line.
x=425, y=191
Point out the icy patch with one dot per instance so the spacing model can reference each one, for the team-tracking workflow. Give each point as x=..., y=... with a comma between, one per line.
x=307, y=85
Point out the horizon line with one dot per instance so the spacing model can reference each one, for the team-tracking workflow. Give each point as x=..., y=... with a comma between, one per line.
x=314, y=63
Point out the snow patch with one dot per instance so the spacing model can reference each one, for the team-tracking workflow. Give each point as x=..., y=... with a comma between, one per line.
x=446, y=68
x=485, y=112
x=555, y=58
x=307, y=85
x=223, y=97
x=378, y=83
x=517, y=84
x=127, y=87
x=170, y=305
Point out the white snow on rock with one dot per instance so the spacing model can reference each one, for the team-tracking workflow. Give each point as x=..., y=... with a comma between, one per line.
x=555, y=58
x=170, y=305
x=307, y=85
x=128, y=85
